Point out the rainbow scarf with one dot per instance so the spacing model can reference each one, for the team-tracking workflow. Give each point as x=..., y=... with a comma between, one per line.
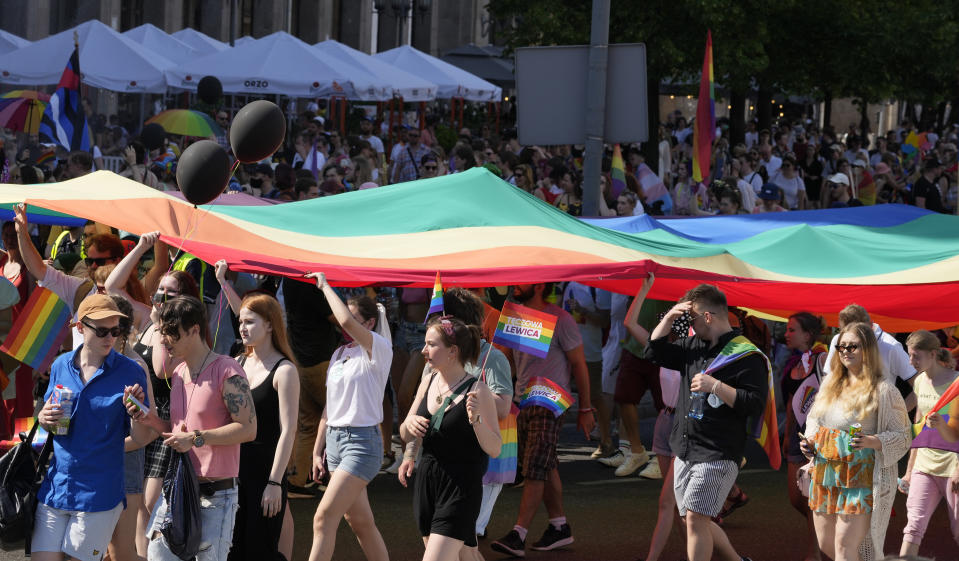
x=436, y=302
x=927, y=437
x=617, y=173
x=39, y=330
x=546, y=393
x=502, y=469
x=524, y=329
x=764, y=428
x=705, y=129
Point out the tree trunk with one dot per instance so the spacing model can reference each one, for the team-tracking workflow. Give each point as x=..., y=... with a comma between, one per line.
x=827, y=109
x=737, y=117
x=864, y=126
x=764, y=109
x=651, y=146
x=940, y=115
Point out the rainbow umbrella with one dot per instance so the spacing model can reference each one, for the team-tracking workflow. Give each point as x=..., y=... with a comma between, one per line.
x=27, y=94
x=21, y=114
x=186, y=122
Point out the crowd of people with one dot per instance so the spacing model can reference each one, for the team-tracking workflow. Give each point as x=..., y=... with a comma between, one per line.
x=277, y=388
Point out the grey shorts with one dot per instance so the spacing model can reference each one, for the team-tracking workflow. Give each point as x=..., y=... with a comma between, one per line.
x=702, y=486
x=133, y=471
x=356, y=450
x=664, y=426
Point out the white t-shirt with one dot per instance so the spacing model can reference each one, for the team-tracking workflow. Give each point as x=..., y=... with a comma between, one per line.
x=791, y=188
x=613, y=350
x=747, y=194
x=895, y=361
x=752, y=139
x=755, y=180
x=773, y=165
x=355, y=382
x=590, y=299
x=375, y=143
x=65, y=286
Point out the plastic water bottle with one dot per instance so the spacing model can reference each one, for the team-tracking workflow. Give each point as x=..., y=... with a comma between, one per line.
x=697, y=401
x=65, y=398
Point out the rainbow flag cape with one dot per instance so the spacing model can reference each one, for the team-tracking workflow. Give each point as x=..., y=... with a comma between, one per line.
x=436, y=302
x=546, y=393
x=524, y=329
x=705, y=129
x=502, y=469
x=617, y=173
x=39, y=330
x=926, y=437
x=764, y=428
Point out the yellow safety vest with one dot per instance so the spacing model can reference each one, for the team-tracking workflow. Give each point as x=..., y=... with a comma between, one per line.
x=181, y=264
x=56, y=245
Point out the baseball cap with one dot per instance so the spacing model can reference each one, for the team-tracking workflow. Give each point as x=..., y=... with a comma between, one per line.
x=98, y=306
x=769, y=192
x=860, y=164
x=838, y=179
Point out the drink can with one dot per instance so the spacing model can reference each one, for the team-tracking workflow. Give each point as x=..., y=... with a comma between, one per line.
x=855, y=429
x=64, y=397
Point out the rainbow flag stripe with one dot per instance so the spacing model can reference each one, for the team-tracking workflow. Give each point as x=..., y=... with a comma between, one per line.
x=546, y=393
x=525, y=329
x=926, y=437
x=39, y=330
x=436, y=302
x=502, y=469
x=617, y=173
x=705, y=129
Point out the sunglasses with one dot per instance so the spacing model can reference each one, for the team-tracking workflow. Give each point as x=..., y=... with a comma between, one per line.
x=98, y=261
x=429, y=168
x=164, y=296
x=102, y=332
x=847, y=348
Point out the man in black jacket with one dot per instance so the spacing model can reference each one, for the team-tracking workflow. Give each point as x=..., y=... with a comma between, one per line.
x=709, y=449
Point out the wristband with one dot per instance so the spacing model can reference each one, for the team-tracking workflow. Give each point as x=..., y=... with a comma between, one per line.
x=271, y=482
x=587, y=410
x=716, y=385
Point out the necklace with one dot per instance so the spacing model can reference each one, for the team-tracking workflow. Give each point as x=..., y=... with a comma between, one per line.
x=441, y=395
x=194, y=380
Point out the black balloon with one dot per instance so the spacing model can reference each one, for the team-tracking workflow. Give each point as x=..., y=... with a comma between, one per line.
x=153, y=136
x=209, y=90
x=257, y=131
x=203, y=171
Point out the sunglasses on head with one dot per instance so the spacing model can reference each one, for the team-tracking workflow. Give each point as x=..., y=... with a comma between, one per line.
x=102, y=332
x=98, y=261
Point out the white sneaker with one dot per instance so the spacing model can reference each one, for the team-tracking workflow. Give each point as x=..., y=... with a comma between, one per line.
x=395, y=466
x=632, y=463
x=651, y=471
x=615, y=460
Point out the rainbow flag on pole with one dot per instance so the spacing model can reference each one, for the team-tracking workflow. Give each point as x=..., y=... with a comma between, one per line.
x=39, y=330
x=546, y=393
x=926, y=437
x=436, y=302
x=617, y=173
x=525, y=329
x=705, y=129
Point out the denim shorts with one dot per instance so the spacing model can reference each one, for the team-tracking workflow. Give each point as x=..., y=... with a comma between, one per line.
x=411, y=337
x=133, y=471
x=217, y=516
x=356, y=450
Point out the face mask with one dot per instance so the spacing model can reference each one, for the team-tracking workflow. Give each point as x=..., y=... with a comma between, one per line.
x=256, y=182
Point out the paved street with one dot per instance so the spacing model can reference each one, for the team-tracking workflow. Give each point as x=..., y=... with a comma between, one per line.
x=612, y=518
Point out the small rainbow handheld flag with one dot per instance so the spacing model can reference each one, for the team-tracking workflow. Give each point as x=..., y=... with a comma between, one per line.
x=39, y=330
x=546, y=393
x=927, y=437
x=525, y=329
x=502, y=469
x=617, y=173
x=436, y=302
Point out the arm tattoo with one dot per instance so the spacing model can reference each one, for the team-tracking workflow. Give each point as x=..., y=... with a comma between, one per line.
x=238, y=397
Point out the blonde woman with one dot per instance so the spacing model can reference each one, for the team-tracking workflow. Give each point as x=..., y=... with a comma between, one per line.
x=854, y=475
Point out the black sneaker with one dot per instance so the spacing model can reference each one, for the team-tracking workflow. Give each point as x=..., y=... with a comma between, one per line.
x=553, y=538
x=510, y=544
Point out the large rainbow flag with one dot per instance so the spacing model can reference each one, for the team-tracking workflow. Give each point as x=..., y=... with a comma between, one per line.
x=487, y=232
x=705, y=127
x=765, y=427
x=524, y=329
x=39, y=330
x=927, y=437
x=617, y=173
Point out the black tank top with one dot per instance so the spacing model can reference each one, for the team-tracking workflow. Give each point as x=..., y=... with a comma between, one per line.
x=267, y=404
x=454, y=442
x=161, y=391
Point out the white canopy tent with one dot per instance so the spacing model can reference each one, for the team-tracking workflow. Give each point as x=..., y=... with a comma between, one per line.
x=201, y=43
x=281, y=64
x=108, y=60
x=450, y=80
x=161, y=42
x=10, y=42
x=404, y=84
x=242, y=40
